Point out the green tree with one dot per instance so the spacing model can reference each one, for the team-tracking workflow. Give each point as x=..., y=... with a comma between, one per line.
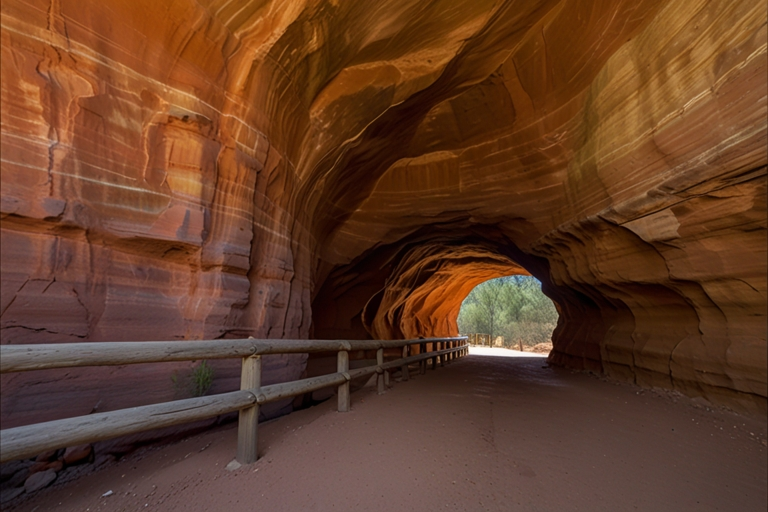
x=513, y=306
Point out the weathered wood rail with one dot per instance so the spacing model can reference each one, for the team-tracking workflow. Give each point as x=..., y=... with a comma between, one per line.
x=30, y=440
x=480, y=339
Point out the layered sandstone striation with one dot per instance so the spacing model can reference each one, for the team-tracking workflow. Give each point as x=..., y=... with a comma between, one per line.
x=278, y=169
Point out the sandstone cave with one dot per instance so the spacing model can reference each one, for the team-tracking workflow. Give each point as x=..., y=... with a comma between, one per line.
x=325, y=169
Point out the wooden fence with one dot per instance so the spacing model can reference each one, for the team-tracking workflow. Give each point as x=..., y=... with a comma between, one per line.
x=480, y=339
x=30, y=440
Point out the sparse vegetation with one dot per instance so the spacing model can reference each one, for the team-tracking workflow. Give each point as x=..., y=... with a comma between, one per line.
x=513, y=307
x=202, y=378
x=197, y=382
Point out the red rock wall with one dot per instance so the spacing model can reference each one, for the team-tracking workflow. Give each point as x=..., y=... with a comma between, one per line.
x=136, y=182
x=221, y=169
x=636, y=173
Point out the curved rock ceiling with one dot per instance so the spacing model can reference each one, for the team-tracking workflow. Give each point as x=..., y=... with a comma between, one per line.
x=288, y=169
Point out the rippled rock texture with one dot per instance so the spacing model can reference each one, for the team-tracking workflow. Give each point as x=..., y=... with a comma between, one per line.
x=281, y=169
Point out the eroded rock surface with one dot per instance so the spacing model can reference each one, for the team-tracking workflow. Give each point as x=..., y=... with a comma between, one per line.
x=220, y=169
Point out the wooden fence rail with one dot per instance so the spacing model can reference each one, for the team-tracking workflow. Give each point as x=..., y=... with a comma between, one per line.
x=481, y=339
x=30, y=440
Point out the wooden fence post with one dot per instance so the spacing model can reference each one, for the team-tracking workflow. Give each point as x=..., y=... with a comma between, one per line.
x=342, y=366
x=18, y=442
x=404, y=369
x=248, y=422
x=379, y=371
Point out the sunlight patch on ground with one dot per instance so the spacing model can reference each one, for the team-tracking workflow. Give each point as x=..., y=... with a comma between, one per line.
x=501, y=352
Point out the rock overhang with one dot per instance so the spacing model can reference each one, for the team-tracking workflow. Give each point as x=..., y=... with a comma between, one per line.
x=227, y=168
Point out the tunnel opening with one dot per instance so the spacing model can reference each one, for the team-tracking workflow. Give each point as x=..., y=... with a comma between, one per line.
x=509, y=312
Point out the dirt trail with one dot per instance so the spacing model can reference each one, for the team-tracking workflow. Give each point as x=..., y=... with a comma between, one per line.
x=483, y=433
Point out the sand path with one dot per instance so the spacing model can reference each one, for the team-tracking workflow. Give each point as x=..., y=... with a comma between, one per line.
x=483, y=433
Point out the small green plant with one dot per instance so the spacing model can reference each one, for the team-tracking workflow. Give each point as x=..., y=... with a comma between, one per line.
x=201, y=379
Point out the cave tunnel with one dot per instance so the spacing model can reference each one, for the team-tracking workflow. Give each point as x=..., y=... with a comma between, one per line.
x=213, y=170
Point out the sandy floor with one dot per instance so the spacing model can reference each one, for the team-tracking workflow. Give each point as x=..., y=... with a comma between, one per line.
x=483, y=433
x=502, y=352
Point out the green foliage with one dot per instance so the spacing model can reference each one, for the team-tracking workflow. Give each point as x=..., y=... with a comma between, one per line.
x=196, y=382
x=513, y=307
x=201, y=379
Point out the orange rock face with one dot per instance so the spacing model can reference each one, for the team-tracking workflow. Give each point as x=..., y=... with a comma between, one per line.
x=219, y=169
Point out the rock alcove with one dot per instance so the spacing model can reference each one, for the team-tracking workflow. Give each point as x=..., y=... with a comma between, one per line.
x=214, y=169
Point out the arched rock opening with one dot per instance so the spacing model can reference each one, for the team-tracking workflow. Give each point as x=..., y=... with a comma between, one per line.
x=413, y=290
x=219, y=169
